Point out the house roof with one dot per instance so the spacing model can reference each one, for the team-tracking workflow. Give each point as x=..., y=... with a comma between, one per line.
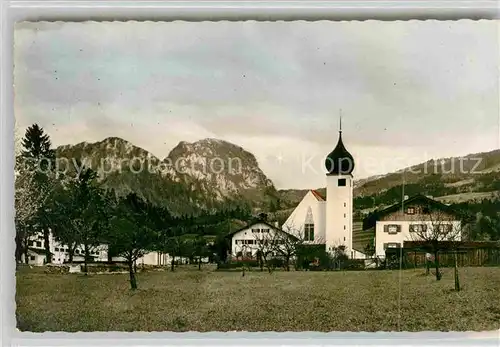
x=370, y=221
x=317, y=195
x=249, y=225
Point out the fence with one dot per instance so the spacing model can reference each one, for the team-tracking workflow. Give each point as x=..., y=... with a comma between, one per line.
x=467, y=253
x=469, y=257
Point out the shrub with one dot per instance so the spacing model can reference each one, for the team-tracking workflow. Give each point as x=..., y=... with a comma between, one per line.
x=239, y=264
x=353, y=264
x=276, y=262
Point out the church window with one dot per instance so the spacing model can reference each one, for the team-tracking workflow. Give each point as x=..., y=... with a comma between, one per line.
x=342, y=182
x=344, y=238
x=344, y=227
x=344, y=215
x=309, y=232
x=345, y=204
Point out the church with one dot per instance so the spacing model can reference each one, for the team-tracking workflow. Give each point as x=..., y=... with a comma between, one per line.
x=329, y=221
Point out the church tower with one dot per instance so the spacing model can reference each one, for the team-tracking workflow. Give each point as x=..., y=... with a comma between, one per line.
x=339, y=197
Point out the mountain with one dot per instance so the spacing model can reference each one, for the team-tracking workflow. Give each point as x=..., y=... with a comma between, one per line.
x=452, y=180
x=208, y=174
x=471, y=178
x=221, y=169
x=212, y=174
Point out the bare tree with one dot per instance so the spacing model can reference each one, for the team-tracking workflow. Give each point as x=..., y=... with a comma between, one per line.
x=266, y=244
x=291, y=240
x=437, y=230
x=27, y=203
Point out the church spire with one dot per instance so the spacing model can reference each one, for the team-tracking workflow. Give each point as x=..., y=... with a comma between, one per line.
x=340, y=128
x=339, y=161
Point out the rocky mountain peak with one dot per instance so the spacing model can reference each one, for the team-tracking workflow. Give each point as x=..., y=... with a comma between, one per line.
x=202, y=174
x=219, y=166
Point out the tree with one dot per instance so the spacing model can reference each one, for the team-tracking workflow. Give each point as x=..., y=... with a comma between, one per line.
x=200, y=249
x=132, y=231
x=81, y=214
x=173, y=243
x=26, y=203
x=267, y=245
x=370, y=248
x=440, y=229
x=35, y=165
x=220, y=248
x=291, y=241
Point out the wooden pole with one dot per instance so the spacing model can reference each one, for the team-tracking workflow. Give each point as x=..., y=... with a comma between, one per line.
x=457, y=281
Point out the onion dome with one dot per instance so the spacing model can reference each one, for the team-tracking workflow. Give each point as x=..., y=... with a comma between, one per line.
x=339, y=161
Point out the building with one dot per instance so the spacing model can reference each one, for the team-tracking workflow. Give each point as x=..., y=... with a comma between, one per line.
x=418, y=218
x=60, y=252
x=329, y=221
x=259, y=235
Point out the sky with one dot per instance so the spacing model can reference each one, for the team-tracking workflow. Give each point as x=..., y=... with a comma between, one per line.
x=407, y=91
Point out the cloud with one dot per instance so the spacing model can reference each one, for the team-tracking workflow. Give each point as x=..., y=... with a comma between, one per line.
x=405, y=88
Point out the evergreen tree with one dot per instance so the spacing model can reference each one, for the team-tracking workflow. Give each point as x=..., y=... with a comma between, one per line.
x=36, y=163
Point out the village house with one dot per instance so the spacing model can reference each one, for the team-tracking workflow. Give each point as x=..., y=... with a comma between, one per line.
x=416, y=218
x=60, y=252
x=254, y=237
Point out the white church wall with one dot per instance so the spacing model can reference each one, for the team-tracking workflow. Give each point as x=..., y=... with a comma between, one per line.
x=296, y=221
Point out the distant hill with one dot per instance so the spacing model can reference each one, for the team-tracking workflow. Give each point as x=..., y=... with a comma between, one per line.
x=452, y=180
x=208, y=174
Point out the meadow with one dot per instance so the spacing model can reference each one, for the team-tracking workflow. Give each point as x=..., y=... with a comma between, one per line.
x=209, y=300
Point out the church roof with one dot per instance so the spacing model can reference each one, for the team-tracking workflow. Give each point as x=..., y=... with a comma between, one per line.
x=317, y=195
x=339, y=161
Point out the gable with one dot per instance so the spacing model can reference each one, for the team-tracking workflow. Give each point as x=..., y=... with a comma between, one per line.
x=307, y=209
x=418, y=211
x=421, y=203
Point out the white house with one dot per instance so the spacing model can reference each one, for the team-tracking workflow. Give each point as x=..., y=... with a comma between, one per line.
x=329, y=220
x=156, y=258
x=414, y=219
x=60, y=252
x=247, y=241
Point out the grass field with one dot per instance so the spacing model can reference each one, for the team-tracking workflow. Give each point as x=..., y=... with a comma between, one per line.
x=282, y=301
